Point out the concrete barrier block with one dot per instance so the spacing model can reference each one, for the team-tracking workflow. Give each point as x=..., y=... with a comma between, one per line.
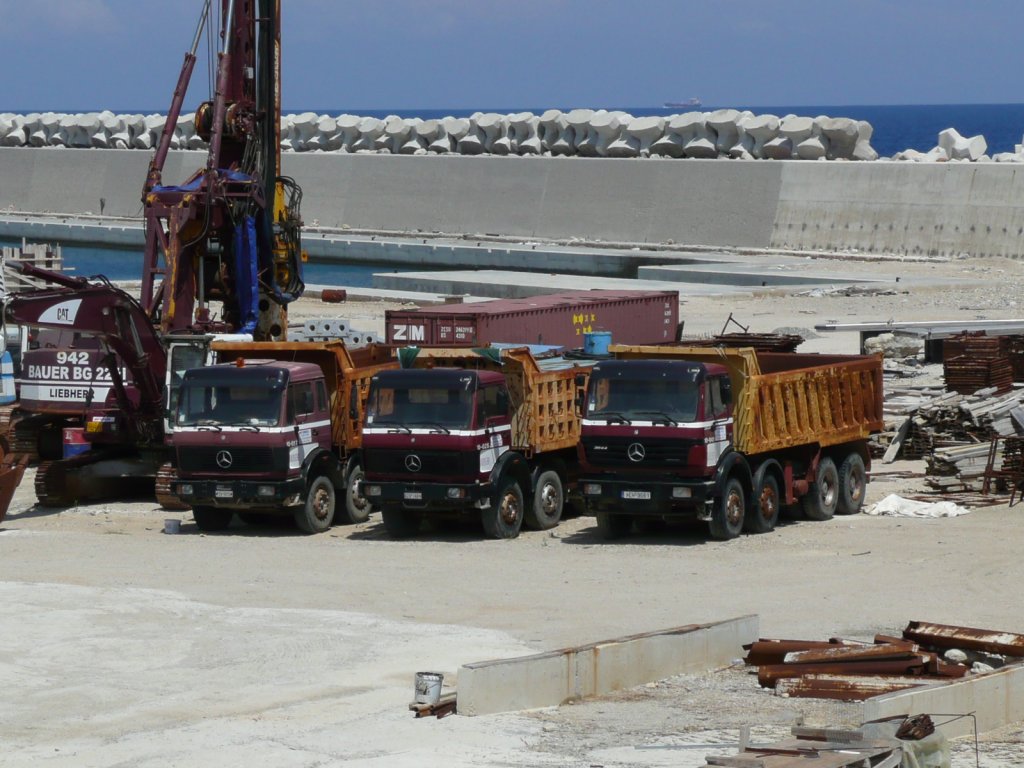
x=557, y=677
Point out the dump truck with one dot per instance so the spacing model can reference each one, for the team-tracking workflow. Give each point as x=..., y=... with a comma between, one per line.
x=729, y=436
x=489, y=432
x=275, y=429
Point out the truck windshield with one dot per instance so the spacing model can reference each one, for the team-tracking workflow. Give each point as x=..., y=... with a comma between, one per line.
x=221, y=404
x=643, y=395
x=444, y=404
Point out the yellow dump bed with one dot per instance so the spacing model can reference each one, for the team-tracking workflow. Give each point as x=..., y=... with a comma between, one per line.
x=786, y=399
x=542, y=391
x=347, y=373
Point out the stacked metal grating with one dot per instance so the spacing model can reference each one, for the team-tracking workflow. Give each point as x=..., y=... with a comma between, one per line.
x=974, y=361
x=763, y=342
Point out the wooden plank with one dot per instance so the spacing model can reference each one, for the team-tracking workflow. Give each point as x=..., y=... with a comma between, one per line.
x=894, y=447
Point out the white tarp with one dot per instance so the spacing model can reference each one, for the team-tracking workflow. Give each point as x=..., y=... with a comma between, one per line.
x=895, y=505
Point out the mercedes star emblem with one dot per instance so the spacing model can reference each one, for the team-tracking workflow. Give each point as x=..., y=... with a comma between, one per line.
x=224, y=459
x=636, y=452
x=413, y=463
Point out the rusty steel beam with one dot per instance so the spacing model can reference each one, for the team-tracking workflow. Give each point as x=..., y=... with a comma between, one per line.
x=965, y=638
x=853, y=653
x=774, y=651
x=892, y=639
x=769, y=674
x=849, y=687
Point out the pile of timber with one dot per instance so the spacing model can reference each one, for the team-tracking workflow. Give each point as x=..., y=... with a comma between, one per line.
x=850, y=670
x=819, y=747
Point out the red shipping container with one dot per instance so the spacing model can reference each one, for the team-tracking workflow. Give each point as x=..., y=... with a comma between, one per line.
x=560, y=319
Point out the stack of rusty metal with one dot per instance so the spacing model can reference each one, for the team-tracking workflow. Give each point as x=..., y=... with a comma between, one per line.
x=850, y=670
x=1015, y=349
x=974, y=361
x=764, y=342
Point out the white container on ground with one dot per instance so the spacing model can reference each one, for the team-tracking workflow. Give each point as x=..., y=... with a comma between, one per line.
x=428, y=687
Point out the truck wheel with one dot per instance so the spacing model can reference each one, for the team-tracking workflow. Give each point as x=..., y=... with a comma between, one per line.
x=504, y=518
x=822, y=497
x=612, y=526
x=316, y=514
x=357, y=508
x=212, y=518
x=852, y=485
x=548, y=500
x=400, y=523
x=729, y=511
x=763, y=514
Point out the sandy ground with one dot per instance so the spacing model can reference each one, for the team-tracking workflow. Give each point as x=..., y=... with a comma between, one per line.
x=125, y=646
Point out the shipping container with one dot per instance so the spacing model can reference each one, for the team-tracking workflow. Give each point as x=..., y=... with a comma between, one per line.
x=562, y=319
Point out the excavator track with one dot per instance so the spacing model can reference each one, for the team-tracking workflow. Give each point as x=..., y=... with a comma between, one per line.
x=51, y=484
x=165, y=475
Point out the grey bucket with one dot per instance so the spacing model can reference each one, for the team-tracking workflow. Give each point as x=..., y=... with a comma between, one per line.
x=428, y=687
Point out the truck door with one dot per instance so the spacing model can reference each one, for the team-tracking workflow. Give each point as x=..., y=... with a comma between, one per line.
x=718, y=403
x=494, y=422
x=311, y=429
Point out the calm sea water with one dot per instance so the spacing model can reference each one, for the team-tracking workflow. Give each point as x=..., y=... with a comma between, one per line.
x=899, y=127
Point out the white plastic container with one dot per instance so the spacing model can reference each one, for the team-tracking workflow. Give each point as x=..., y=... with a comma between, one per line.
x=172, y=525
x=428, y=687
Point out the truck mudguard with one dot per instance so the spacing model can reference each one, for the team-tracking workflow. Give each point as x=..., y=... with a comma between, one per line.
x=512, y=464
x=733, y=462
x=323, y=462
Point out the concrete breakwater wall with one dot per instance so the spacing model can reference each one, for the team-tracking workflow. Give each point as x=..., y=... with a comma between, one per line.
x=898, y=208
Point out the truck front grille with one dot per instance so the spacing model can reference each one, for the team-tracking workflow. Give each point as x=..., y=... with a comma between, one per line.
x=242, y=460
x=657, y=453
x=391, y=461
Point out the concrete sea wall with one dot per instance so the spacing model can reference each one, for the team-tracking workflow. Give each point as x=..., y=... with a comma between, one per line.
x=938, y=209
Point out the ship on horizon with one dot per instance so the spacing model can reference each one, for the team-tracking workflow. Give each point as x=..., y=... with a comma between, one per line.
x=692, y=102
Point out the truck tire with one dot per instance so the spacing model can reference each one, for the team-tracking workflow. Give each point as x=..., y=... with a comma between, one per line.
x=729, y=511
x=504, y=518
x=211, y=518
x=400, y=523
x=822, y=497
x=357, y=508
x=852, y=485
x=317, y=513
x=612, y=526
x=548, y=501
x=763, y=513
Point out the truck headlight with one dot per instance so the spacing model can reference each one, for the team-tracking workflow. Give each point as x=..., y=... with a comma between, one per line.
x=371, y=490
x=264, y=490
x=592, y=489
x=681, y=493
x=185, y=489
x=456, y=493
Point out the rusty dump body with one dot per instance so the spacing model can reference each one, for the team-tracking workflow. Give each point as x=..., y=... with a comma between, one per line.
x=632, y=317
x=788, y=399
x=347, y=373
x=542, y=393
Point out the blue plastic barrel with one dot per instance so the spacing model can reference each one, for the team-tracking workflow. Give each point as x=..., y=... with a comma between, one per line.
x=596, y=342
x=74, y=442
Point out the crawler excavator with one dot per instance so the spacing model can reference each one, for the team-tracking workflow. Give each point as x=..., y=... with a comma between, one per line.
x=227, y=238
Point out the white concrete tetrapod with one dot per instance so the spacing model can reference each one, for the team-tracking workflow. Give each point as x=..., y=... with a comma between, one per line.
x=761, y=129
x=86, y=125
x=370, y=129
x=605, y=129
x=579, y=121
x=149, y=136
x=348, y=131
x=35, y=131
x=724, y=122
x=678, y=130
x=413, y=144
x=327, y=136
x=551, y=125
x=646, y=130
x=842, y=134
x=304, y=126
x=863, y=150
x=396, y=131
x=495, y=133
x=796, y=128
x=625, y=144
x=472, y=142
x=523, y=131
x=959, y=147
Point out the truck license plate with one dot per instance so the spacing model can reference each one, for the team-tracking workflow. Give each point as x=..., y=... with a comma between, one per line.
x=636, y=494
x=414, y=495
x=223, y=492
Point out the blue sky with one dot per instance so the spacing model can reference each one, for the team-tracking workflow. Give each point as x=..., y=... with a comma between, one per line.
x=342, y=55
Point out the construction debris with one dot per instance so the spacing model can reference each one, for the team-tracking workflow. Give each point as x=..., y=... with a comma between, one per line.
x=854, y=671
x=821, y=747
x=973, y=361
x=443, y=706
